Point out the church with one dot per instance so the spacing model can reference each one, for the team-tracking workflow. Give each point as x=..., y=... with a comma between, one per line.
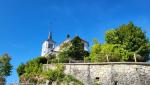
x=49, y=46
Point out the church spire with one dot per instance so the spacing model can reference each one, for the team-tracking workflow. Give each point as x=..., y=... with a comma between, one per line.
x=50, y=36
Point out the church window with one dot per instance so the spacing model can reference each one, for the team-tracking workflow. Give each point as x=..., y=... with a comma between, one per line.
x=50, y=46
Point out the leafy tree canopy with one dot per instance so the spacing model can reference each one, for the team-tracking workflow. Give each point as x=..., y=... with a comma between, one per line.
x=108, y=52
x=31, y=69
x=72, y=50
x=131, y=38
x=5, y=66
x=77, y=49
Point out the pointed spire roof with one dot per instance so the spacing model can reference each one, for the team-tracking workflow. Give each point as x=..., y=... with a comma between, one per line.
x=50, y=37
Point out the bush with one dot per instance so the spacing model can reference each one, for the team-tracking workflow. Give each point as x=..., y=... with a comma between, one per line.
x=21, y=69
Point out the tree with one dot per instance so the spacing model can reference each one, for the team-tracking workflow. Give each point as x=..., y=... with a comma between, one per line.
x=63, y=57
x=64, y=54
x=21, y=69
x=54, y=74
x=65, y=46
x=72, y=50
x=5, y=66
x=131, y=38
x=76, y=51
x=95, y=52
x=108, y=53
x=51, y=58
x=30, y=72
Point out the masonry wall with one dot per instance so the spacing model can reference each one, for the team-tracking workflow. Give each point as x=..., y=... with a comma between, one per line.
x=116, y=73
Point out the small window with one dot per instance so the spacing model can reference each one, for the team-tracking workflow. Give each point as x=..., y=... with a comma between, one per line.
x=97, y=78
x=50, y=46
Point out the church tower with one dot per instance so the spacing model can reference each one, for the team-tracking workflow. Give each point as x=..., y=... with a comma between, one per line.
x=48, y=45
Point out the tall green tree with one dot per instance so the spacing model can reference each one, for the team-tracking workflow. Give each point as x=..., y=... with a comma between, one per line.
x=5, y=66
x=72, y=50
x=76, y=50
x=21, y=69
x=131, y=38
x=108, y=53
x=95, y=52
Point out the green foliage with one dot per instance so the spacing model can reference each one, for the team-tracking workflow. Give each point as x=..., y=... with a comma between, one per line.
x=95, y=52
x=65, y=46
x=96, y=84
x=21, y=69
x=54, y=75
x=131, y=38
x=51, y=58
x=31, y=69
x=111, y=37
x=5, y=66
x=57, y=75
x=77, y=49
x=64, y=56
x=108, y=52
x=70, y=79
x=115, y=52
x=86, y=59
x=72, y=50
x=33, y=73
x=50, y=75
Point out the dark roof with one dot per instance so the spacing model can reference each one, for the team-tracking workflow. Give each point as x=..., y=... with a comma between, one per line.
x=85, y=41
x=51, y=40
x=82, y=40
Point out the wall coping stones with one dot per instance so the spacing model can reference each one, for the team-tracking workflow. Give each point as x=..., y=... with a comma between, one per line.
x=111, y=63
x=108, y=63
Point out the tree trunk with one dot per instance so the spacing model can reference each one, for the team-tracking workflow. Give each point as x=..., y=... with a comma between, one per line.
x=2, y=81
x=135, y=57
x=107, y=58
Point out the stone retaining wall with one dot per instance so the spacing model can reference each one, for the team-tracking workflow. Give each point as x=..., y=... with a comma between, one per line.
x=112, y=73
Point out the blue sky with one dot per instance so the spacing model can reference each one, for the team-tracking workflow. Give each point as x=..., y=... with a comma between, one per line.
x=24, y=24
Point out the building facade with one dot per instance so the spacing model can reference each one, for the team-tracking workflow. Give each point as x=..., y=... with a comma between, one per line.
x=49, y=46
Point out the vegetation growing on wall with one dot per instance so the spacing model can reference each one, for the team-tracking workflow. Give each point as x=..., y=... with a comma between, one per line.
x=32, y=72
x=57, y=76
